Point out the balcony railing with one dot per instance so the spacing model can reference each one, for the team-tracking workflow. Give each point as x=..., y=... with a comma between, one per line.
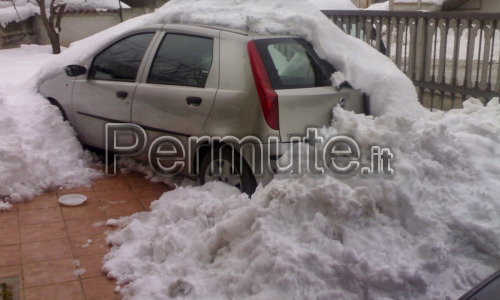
x=449, y=56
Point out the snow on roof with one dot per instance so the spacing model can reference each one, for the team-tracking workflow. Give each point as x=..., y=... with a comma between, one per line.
x=334, y=4
x=379, y=6
x=437, y=2
x=29, y=8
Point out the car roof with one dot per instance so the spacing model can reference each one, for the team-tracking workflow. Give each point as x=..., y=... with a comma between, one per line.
x=248, y=33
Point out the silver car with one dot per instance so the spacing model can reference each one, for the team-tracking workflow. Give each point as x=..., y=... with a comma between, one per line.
x=200, y=88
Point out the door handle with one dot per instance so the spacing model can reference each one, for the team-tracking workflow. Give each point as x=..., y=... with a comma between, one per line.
x=121, y=95
x=193, y=101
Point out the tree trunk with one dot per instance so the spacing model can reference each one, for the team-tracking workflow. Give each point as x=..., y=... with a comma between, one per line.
x=53, y=29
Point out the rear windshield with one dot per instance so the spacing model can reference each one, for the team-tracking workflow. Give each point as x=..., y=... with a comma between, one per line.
x=292, y=63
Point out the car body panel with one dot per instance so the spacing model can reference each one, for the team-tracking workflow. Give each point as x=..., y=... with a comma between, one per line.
x=300, y=109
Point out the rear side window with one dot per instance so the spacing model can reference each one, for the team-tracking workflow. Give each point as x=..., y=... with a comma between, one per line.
x=121, y=61
x=182, y=60
x=292, y=63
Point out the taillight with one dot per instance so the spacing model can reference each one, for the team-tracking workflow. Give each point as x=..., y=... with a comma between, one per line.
x=267, y=96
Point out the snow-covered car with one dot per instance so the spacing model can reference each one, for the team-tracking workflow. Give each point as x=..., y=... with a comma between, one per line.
x=189, y=80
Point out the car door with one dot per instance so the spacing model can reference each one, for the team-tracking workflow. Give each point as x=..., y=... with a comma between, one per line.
x=178, y=89
x=302, y=83
x=105, y=94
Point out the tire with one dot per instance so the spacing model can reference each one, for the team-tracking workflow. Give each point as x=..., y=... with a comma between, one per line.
x=221, y=167
x=56, y=104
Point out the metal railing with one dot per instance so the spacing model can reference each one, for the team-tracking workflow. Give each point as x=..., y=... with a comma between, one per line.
x=449, y=56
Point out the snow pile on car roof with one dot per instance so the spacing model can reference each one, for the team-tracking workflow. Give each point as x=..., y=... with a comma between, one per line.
x=390, y=90
x=38, y=150
x=431, y=231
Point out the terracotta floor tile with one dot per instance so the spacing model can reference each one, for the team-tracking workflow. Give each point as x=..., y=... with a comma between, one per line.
x=8, y=219
x=46, y=200
x=92, y=211
x=9, y=235
x=146, y=203
x=77, y=190
x=38, y=216
x=79, y=228
x=10, y=271
x=48, y=250
x=136, y=179
x=114, y=195
x=10, y=255
x=59, y=291
x=48, y=272
x=92, y=265
x=152, y=191
x=110, y=182
x=100, y=288
x=90, y=244
x=122, y=208
x=43, y=232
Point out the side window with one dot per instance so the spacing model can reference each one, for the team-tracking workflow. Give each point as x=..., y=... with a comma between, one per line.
x=121, y=61
x=182, y=60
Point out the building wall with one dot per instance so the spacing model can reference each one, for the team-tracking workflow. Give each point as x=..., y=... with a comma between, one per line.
x=481, y=6
x=17, y=33
x=365, y=3
x=485, y=6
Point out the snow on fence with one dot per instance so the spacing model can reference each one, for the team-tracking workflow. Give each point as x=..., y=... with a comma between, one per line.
x=449, y=56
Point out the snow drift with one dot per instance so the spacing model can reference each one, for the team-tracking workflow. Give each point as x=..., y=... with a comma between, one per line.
x=38, y=150
x=431, y=231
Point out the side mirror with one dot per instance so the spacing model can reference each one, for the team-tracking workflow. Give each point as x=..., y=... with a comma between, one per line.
x=75, y=70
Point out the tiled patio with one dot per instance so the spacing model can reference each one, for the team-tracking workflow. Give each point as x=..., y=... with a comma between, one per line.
x=40, y=241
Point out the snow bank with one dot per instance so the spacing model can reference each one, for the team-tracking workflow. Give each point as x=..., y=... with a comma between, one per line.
x=363, y=67
x=38, y=150
x=430, y=232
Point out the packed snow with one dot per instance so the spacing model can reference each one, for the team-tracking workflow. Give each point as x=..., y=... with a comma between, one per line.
x=431, y=231
x=38, y=150
x=19, y=10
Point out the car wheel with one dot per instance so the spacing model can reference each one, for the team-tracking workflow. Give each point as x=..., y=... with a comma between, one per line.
x=56, y=104
x=222, y=167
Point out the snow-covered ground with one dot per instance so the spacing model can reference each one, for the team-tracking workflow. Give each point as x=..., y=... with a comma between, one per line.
x=430, y=231
x=38, y=151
